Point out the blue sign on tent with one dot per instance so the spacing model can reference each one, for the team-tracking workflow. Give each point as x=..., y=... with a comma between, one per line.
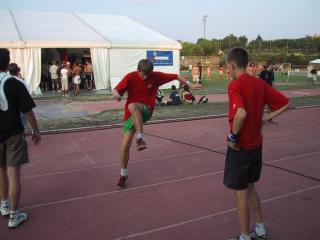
x=161, y=58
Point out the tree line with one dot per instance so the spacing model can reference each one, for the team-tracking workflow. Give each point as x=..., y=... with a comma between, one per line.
x=295, y=51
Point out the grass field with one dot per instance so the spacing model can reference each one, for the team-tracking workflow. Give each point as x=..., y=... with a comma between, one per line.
x=164, y=112
x=209, y=87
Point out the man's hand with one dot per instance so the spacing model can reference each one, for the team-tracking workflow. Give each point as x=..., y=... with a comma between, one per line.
x=36, y=137
x=116, y=95
x=234, y=146
x=117, y=98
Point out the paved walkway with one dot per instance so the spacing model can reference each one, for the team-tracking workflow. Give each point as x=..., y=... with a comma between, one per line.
x=65, y=108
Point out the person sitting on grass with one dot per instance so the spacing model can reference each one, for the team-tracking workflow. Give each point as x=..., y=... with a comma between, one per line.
x=142, y=86
x=186, y=95
x=174, y=97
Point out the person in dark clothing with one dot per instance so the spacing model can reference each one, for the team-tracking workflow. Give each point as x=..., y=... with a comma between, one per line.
x=174, y=97
x=200, y=70
x=14, y=99
x=267, y=74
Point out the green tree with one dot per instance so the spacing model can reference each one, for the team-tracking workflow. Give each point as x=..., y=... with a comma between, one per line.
x=197, y=50
x=243, y=40
x=206, y=45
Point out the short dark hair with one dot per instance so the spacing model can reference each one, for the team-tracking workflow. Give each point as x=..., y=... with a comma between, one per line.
x=269, y=62
x=13, y=69
x=239, y=56
x=145, y=66
x=173, y=87
x=4, y=59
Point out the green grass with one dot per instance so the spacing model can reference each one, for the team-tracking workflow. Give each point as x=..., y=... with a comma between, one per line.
x=213, y=86
x=162, y=112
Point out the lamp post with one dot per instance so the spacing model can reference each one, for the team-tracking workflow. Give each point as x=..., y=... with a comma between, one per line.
x=204, y=19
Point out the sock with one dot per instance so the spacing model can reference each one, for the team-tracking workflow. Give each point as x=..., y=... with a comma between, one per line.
x=5, y=203
x=124, y=172
x=244, y=237
x=140, y=135
x=260, y=229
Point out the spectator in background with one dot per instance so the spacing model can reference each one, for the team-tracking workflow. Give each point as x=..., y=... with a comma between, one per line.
x=253, y=69
x=174, y=96
x=267, y=74
x=54, y=76
x=309, y=74
x=89, y=75
x=195, y=74
x=314, y=75
x=64, y=80
x=14, y=71
x=76, y=78
x=190, y=68
x=208, y=72
x=159, y=97
x=186, y=95
x=220, y=72
x=200, y=70
x=70, y=83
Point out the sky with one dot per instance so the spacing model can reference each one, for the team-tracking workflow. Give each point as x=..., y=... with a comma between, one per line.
x=182, y=19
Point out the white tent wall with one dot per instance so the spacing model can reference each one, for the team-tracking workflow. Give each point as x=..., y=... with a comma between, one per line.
x=29, y=60
x=123, y=61
x=100, y=64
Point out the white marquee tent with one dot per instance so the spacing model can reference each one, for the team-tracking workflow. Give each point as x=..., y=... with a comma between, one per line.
x=116, y=43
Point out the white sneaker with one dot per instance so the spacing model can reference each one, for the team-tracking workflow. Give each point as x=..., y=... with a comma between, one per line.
x=5, y=210
x=17, y=219
x=260, y=231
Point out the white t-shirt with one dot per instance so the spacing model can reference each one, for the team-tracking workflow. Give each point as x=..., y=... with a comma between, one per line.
x=54, y=71
x=64, y=73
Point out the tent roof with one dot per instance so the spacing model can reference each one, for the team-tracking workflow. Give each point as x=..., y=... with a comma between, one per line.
x=76, y=30
x=316, y=61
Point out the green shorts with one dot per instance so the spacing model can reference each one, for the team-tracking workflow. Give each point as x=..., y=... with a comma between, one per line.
x=146, y=115
x=14, y=151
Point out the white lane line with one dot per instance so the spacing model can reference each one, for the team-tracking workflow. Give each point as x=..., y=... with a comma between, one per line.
x=212, y=215
x=303, y=93
x=122, y=191
x=89, y=159
x=292, y=157
x=110, y=165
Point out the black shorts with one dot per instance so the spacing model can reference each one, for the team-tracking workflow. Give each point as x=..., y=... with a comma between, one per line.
x=242, y=167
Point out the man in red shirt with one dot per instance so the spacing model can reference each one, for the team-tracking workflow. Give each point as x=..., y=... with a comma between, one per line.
x=142, y=86
x=247, y=97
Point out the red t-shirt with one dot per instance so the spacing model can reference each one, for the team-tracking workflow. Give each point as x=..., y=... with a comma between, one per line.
x=252, y=94
x=142, y=91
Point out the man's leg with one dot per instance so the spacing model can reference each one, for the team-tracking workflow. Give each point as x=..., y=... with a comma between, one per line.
x=4, y=204
x=14, y=187
x=124, y=157
x=136, y=113
x=16, y=217
x=242, y=204
x=3, y=183
x=255, y=205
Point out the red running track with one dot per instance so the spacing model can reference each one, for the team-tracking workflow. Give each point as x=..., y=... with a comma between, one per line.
x=175, y=186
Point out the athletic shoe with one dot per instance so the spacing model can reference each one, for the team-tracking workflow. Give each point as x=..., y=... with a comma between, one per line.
x=122, y=182
x=17, y=219
x=260, y=232
x=5, y=211
x=141, y=145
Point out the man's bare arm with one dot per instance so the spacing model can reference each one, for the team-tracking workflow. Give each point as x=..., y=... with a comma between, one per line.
x=36, y=137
